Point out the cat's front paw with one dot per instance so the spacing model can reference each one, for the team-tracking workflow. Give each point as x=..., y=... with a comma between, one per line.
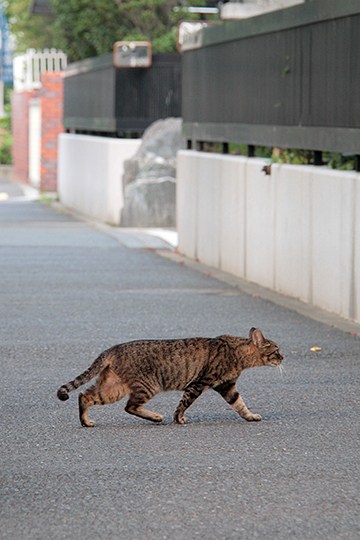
x=253, y=418
x=179, y=419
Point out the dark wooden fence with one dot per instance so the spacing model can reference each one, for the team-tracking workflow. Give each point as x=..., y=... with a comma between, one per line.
x=289, y=79
x=104, y=100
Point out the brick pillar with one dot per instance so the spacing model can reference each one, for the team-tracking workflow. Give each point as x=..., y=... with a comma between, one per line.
x=20, y=131
x=51, y=95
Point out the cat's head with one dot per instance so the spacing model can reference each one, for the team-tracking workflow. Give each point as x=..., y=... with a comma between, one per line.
x=268, y=350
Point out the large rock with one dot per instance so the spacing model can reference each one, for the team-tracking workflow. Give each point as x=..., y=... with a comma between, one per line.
x=150, y=177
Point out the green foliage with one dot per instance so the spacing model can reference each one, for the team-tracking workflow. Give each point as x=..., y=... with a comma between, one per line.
x=6, y=138
x=87, y=28
x=306, y=157
x=165, y=43
x=292, y=156
x=5, y=148
x=90, y=28
x=30, y=31
x=5, y=130
x=339, y=161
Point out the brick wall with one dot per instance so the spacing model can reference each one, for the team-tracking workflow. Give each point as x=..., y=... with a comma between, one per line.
x=51, y=95
x=51, y=99
x=20, y=130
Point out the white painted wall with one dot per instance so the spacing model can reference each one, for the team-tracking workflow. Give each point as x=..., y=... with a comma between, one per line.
x=35, y=142
x=90, y=171
x=296, y=231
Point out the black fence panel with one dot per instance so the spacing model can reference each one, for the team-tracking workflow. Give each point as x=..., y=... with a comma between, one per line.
x=104, y=100
x=287, y=79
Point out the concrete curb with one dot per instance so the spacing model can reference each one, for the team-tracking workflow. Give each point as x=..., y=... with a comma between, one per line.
x=133, y=238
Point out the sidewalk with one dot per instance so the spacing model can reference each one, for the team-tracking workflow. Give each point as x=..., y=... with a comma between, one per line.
x=68, y=291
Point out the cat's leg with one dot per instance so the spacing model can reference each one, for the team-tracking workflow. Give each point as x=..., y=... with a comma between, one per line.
x=139, y=395
x=191, y=393
x=108, y=389
x=229, y=392
x=87, y=399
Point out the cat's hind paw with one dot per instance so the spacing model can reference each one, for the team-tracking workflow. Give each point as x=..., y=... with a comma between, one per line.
x=156, y=418
x=253, y=418
x=87, y=423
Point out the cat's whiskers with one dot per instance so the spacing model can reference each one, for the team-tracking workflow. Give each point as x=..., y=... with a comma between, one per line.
x=281, y=369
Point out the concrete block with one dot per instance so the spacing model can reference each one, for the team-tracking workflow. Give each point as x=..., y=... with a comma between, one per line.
x=292, y=219
x=260, y=221
x=332, y=224
x=208, y=218
x=296, y=231
x=355, y=313
x=186, y=202
x=232, y=215
x=90, y=171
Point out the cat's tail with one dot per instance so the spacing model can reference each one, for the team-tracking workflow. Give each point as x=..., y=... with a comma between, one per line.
x=102, y=361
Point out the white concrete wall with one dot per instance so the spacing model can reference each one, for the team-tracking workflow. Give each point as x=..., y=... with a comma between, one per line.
x=35, y=142
x=296, y=231
x=90, y=171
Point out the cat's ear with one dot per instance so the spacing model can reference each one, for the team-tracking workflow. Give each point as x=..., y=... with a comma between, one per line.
x=256, y=337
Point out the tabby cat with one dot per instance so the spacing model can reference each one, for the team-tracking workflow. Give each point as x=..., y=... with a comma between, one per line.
x=144, y=368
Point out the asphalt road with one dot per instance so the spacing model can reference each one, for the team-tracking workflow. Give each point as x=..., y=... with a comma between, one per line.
x=67, y=292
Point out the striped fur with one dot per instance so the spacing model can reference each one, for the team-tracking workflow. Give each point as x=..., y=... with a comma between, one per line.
x=142, y=369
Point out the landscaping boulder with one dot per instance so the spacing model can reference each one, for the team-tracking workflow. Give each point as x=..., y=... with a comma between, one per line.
x=150, y=177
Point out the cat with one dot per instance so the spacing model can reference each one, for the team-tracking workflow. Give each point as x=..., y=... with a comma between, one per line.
x=145, y=368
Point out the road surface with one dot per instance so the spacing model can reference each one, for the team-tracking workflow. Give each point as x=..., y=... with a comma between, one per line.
x=68, y=291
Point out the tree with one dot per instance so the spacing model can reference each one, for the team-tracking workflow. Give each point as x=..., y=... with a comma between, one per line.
x=85, y=28
x=89, y=28
x=30, y=31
